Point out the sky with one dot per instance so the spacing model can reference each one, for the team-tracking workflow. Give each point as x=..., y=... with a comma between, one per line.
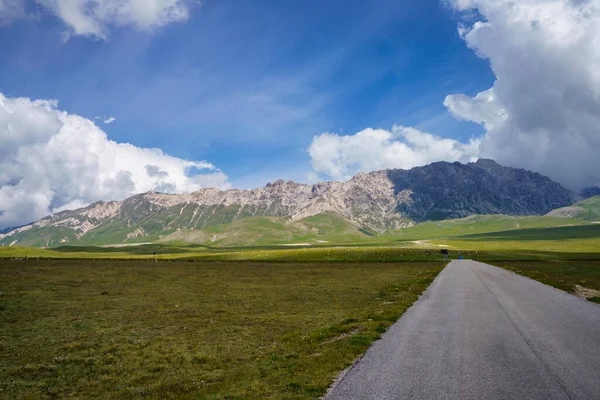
x=101, y=99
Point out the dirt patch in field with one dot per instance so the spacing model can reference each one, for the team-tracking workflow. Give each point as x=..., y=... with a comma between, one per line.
x=343, y=336
x=586, y=293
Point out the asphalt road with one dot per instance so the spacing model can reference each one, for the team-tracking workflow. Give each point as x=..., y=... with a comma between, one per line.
x=481, y=332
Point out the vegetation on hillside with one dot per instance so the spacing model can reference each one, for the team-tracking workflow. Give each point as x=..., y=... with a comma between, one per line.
x=328, y=229
x=422, y=242
x=257, y=231
x=588, y=210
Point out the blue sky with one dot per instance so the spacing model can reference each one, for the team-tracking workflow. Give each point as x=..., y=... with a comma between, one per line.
x=246, y=85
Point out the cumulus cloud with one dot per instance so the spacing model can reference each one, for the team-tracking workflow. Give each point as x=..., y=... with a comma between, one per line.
x=51, y=160
x=154, y=170
x=543, y=111
x=341, y=157
x=95, y=17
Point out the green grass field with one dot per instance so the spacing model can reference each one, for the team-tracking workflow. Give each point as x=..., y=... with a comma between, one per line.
x=132, y=329
x=562, y=274
x=232, y=321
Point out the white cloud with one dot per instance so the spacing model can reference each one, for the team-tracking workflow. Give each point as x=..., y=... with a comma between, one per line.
x=543, y=111
x=109, y=120
x=95, y=18
x=51, y=160
x=73, y=205
x=340, y=157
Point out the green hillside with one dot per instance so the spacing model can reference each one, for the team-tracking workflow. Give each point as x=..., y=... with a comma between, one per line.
x=567, y=239
x=479, y=224
x=140, y=222
x=331, y=229
x=167, y=226
x=45, y=236
x=332, y=238
x=260, y=231
x=556, y=233
x=588, y=210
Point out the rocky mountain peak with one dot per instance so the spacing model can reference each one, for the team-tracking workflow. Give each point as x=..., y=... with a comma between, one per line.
x=277, y=183
x=486, y=162
x=453, y=190
x=377, y=201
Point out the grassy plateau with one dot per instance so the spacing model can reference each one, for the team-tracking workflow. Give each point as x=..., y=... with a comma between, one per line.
x=229, y=320
x=141, y=329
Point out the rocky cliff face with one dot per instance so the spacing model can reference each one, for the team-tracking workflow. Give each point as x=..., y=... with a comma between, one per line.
x=378, y=201
x=446, y=191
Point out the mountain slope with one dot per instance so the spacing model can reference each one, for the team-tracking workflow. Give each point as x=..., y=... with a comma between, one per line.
x=380, y=202
x=10, y=229
x=481, y=224
x=588, y=210
x=258, y=231
x=448, y=191
x=325, y=228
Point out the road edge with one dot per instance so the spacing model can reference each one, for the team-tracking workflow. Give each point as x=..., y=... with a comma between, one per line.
x=340, y=377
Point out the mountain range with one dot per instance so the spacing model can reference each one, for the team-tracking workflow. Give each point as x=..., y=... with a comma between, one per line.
x=369, y=204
